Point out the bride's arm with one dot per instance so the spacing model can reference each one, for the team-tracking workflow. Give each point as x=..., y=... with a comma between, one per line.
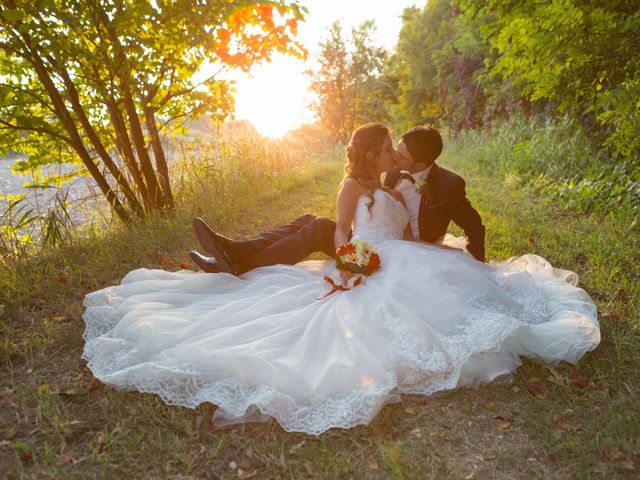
x=347, y=203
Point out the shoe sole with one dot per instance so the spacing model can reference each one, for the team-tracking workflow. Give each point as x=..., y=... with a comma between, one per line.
x=204, y=268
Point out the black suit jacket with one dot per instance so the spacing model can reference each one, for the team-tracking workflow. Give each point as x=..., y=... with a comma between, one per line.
x=446, y=200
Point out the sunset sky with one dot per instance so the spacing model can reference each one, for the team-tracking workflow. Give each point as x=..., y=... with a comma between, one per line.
x=275, y=97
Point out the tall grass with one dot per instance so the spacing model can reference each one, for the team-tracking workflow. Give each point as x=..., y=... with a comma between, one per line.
x=218, y=181
x=55, y=422
x=554, y=157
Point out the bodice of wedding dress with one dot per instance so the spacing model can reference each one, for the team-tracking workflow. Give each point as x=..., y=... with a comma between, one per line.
x=385, y=220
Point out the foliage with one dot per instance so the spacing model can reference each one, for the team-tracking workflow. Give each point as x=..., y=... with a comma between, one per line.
x=554, y=87
x=98, y=84
x=557, y=159
x=437, y=54
x=348, y=83
x=23, y=224
x=459, y=63
x=579, y=55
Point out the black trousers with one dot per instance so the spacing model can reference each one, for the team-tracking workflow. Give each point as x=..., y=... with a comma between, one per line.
x=287, y=244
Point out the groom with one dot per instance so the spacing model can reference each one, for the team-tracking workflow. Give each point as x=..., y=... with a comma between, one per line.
x=434, y=197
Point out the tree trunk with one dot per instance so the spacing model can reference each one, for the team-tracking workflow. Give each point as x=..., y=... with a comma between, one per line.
x=126, y=149
x=66, y=119
x=95, y=140
x=158, y=153
x=155, y=194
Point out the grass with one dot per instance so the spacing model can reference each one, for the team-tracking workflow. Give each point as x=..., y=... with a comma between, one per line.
x=552, y=423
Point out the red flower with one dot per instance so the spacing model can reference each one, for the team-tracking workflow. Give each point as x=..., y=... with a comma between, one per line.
x=374, y=263
x=346, y=249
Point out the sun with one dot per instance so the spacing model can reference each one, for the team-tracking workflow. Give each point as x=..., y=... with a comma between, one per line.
x=279, y=102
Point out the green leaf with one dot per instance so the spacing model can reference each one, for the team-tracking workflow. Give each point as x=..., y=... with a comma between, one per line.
x=12, y=15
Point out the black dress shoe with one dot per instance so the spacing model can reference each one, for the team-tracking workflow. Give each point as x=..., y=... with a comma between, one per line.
x=206, y=264
x=214, y=244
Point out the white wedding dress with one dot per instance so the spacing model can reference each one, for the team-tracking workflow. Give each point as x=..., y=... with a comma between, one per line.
x=264, y=346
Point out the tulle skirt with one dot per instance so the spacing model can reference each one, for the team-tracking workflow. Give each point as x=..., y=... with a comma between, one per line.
x=266, y=345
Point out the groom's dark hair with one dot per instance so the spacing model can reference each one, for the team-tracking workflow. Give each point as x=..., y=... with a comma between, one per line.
x=424, y=143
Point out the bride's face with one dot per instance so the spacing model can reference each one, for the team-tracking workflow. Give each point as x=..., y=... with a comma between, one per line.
x=387, y=158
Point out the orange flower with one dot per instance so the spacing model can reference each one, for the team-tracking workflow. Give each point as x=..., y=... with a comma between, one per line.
x=374, y=263
x=345, y=249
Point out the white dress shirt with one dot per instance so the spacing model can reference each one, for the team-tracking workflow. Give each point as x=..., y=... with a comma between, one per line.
x=412, y=197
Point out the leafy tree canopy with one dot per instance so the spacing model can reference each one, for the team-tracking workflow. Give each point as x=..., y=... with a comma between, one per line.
x=97, y=82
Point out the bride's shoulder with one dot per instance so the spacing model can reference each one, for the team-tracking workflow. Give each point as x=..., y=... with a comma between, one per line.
x=350, y=188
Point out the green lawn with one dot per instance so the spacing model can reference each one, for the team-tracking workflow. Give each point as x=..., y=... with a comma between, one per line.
x=552, y=423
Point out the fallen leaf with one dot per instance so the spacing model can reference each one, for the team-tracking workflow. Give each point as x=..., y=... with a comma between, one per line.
x=611, y=452
x=532, y=240
x=70, y=392
x=9, y=398
x=564, y=424
x=536, y=389
x=504, y=427
x=26, y=457
x=101, y=443
x=298, y=446
x=63, y=279
x=515, y=389
x=166, y=262
x=628, y=465
x=93, y=384
x=309, y=468
x=59, y=318
x=534, y=380
x=372, y=462
x=68, y=457
x=185, y=266
x=578, y=379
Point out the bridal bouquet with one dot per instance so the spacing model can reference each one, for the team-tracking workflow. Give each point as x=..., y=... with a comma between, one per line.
x=357, y=257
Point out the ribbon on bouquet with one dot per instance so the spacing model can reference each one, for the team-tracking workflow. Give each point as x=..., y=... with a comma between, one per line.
x=336, y=285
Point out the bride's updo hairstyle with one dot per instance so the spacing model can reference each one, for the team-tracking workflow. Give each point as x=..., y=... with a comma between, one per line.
x=366, y=139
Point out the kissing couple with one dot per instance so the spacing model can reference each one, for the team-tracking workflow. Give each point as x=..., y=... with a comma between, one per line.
x=432, y=195
x=263, y=343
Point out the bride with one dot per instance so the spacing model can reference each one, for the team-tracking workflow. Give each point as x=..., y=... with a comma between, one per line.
x=267, y=345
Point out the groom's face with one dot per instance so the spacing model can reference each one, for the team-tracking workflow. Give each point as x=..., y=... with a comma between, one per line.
x=404, y=159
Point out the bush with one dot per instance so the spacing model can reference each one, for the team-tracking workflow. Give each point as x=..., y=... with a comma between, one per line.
x=554, y=157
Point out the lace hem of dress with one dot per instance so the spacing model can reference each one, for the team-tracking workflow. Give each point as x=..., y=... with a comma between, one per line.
x=424, y=364
x=421, y=369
